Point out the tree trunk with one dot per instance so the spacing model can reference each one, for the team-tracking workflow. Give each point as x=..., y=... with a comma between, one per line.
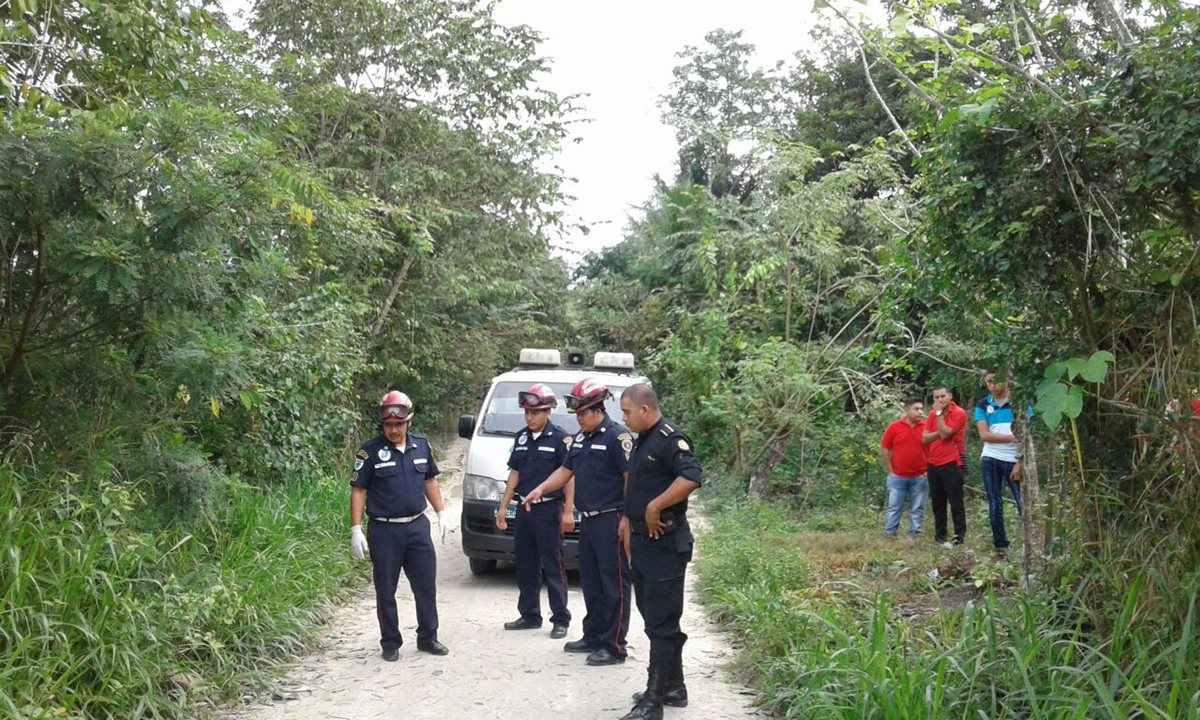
x=762, y=474
x=1030, y=496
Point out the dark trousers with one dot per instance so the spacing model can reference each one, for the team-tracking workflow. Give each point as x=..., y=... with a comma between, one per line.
x=997, y=474
x=946, y=486
x=408, y=547
x=604, y=577
x=539, y=549
x=659, y=568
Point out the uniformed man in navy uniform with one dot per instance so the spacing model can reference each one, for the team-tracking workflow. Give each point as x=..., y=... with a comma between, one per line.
x=663, y=472
x=596, y=463
x=394, y=476
x=537, y=451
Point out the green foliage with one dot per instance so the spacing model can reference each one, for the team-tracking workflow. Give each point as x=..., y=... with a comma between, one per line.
x=1056, y=399
x=836, y=650
x=110, y=616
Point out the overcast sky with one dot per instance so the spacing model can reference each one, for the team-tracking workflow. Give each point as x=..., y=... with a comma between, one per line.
x=621, y=54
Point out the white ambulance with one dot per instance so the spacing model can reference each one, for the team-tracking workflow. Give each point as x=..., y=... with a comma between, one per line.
x=491, y=433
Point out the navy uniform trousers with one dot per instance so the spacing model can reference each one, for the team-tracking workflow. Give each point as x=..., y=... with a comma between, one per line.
x=659, y=568
x=604, y=577
x=407, y=546
x=539, y=549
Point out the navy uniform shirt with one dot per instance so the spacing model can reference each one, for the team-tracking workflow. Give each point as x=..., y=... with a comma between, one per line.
x=535, y=458
x=394, y=480
x=599, y=461
x=661, y=454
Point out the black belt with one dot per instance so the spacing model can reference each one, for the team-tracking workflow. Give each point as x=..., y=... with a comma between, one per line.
x=594, y=513
x=671, y=522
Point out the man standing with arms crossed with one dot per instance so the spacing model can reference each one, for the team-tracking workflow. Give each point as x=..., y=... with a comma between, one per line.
x=943, y=435
x=663, y=472
x=597, y=463
x=539, y=450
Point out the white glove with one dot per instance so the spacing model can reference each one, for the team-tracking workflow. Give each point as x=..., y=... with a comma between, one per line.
x=358, y=542
x=442, y=524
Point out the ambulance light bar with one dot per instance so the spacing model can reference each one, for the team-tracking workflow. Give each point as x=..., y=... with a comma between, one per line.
x=540, y=357
x=613, y=361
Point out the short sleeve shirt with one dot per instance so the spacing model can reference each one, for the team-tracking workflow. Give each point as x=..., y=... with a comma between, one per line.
x=660, y=455
x=599, y=461
x=908, y=448
x=535, y=459
x=942, y=451
x=999, y=419
x=394, y=479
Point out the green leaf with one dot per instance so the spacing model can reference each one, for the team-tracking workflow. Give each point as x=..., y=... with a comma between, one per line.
x=1096, y=367
x=1052, y=400
x=1073, y=405
x=1054, y=371
x=1075, y=367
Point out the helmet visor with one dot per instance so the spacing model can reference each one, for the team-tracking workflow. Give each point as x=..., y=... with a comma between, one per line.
x=528, y=400
x=574, y=402
x=394, y=414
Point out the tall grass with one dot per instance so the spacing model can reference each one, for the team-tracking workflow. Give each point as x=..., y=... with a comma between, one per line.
x=821, y=652
x=107, y=614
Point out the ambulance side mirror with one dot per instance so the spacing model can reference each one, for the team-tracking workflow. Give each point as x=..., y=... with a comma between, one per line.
x=466, y=426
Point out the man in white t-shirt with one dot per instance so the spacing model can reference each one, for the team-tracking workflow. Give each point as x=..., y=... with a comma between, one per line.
x=1000, y=461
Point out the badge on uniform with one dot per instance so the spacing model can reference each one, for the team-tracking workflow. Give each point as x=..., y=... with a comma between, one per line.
x=384, y=454
x=362, y=454
x=568, y=440
x=626, y=443
x=521, y=440
x=684, y=447
x=358, y=463
x=579, y=437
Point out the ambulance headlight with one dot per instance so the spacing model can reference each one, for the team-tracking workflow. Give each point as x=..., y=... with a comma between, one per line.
x=479, y=487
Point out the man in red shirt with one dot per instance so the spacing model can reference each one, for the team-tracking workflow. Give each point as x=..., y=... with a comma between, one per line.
x=943, y=436
x=904, y=458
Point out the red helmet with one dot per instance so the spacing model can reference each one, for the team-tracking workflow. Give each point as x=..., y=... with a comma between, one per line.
x=537, y=397
x=586, y=393
x=395, y=407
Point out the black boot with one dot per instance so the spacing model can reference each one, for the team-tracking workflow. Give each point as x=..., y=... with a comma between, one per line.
x=674, y=691
x=650, y=706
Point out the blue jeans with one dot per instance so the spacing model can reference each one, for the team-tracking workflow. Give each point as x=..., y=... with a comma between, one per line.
x=996, y=475
x=912, y=490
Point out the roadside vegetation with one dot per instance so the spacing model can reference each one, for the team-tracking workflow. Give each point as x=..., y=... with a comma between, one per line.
x=971, y=186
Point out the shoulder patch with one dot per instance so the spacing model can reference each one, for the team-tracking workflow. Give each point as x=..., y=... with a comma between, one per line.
x=358, y=464
x=568, y=440
x=362, y=454
x=626, y=443
x=684, y=447
x=354, y=478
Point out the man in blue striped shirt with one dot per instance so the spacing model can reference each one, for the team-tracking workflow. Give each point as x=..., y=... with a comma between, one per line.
x=1000, y=460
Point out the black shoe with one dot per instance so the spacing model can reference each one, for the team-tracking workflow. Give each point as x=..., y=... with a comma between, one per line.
x=433, y=647
x=577, y=646
x=521, y=624
x=604, y=656
x=675, y=697
x=391, y=655
x=558, y=631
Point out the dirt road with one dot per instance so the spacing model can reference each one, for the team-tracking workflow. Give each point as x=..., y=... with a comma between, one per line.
x=489, y=674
